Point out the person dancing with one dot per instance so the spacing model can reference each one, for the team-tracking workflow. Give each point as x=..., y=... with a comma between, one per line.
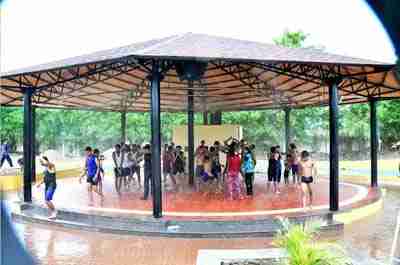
x=233, y=164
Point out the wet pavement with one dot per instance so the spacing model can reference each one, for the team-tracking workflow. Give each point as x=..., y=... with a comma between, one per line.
x=369, y=238
x=56, y=246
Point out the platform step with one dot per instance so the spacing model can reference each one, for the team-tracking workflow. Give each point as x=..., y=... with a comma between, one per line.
x=142, y=225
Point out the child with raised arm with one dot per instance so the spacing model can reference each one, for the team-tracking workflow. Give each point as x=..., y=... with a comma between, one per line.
x=307, y=171
x=50, y=183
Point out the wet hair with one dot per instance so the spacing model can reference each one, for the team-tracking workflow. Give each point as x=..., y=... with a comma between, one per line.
x=231, y=149
x=96, y=151
x=305, y=154
x=88, y=149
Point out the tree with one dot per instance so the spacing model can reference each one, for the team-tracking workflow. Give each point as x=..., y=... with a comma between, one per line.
x=291, y=39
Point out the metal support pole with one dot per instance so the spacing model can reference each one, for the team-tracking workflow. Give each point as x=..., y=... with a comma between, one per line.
x=205, y=118
x=374, y=142
x=123, y=127
x=156, y=140
x=334, y=146
x=287, y=129
x=33, y=156
x=190, y=137
x=28, y=140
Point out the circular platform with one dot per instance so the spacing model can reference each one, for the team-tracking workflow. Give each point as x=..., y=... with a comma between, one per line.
x=185, y=202
x=187, y=213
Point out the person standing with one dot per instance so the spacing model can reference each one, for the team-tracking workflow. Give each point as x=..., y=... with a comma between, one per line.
x=148, y=176
x=137, y=158
x=294, y=162
x=248, y=170
x=99, y=178
x=274, y=168
x=233, y=170
x=50, y=183
x=117, y=159
x=200, y=153
x=5, y=150
x=92, y=170
x=308, y=171
x=165, y=162
x=169, y=165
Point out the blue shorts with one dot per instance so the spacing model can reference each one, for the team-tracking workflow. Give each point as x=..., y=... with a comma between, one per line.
x=48, y=193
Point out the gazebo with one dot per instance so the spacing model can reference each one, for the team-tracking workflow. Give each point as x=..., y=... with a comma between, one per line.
x=201, y=73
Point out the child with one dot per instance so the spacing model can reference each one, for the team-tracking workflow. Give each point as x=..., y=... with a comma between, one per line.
x=274, y=166
x=91, y=170
x=148, y=178
x=99, y=178
x=248, y=169
x=179, y=162
x=50, y=183
x=307, y=172
x=294, y=163
x=233, y=170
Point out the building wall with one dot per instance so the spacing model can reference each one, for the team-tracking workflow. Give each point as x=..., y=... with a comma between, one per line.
x=208, y=133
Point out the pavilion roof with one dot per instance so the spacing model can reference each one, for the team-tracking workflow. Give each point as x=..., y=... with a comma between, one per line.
x=240, y=75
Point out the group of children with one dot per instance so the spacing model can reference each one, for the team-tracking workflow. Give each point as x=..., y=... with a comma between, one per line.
x=301, y=167
x=237, y=171
x=239, y=162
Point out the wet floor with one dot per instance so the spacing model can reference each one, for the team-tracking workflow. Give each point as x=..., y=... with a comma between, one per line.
x=371, y=237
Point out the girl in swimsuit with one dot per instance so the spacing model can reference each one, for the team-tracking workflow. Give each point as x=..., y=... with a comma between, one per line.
x=307, y=172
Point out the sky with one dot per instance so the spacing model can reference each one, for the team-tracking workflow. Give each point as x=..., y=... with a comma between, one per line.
x=39, y=31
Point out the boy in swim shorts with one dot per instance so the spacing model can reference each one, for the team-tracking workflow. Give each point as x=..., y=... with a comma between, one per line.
x=307, y=171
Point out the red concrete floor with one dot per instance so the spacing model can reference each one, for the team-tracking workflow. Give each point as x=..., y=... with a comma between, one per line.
x=71, y=194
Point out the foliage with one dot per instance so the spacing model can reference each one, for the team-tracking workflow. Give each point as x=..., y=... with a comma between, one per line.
x=301, y=245
x=291, y=39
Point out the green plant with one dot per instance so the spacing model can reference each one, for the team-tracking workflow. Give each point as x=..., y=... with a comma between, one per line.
x=303, y=248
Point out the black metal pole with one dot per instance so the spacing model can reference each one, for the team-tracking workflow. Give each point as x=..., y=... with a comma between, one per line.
x=33, y=156
x=28, y=139
x=287, y=129
x=156, y=140
x=334, y=146
x=123, y=127
x=374, y=142
x=190, y=137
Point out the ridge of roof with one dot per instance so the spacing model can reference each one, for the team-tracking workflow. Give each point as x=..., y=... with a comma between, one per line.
x=207, y=47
